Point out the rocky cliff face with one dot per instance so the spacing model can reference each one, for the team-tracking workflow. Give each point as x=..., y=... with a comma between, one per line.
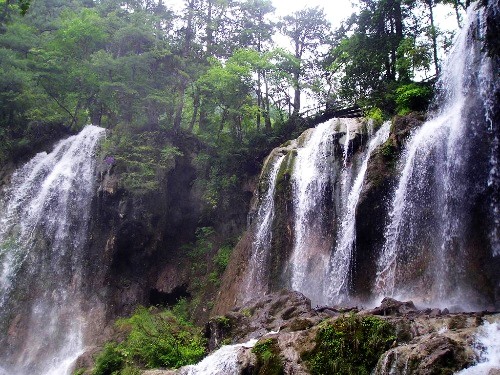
x=144, y=241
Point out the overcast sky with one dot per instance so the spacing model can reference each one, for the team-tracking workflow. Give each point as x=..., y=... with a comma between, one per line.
x=338, y=10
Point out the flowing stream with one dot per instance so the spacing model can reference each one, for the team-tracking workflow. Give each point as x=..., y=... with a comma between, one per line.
x=44, y=217
x=487, y=347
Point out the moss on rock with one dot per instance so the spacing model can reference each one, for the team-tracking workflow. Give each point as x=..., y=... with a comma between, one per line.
x=268, y=358
x=349, y=345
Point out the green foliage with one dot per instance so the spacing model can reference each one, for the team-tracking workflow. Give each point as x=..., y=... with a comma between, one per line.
x=109, y=361
x=388, y=149
x=412, y=97
x=203, y=243
x=375, y=114
x=221, y=259
x=143, y=157
x=268, y=358
x=155, y=339
x=349, y=345
x=223, y=321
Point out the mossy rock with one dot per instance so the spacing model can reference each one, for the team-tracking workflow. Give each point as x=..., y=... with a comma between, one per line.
x=349, y=345
x=269, y=361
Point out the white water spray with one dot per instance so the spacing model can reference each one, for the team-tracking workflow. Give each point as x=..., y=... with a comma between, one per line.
x=44, y=219
x=311, y=176
x=223, y=361
x=257, y=276
x=487, y=347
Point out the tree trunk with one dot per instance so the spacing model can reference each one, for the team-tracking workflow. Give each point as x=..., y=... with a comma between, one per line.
x=266, y=105
x=179, y=107
x=430, y=3
x=209, y=29
x=196, y=106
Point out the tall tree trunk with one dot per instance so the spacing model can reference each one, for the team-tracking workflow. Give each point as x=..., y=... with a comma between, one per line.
x=296, y=93
x=209, y=29
x=183, y=81
x=259, y=99
x=180, y=106
x=196, y=106
x=430, y=4
x=267, y=117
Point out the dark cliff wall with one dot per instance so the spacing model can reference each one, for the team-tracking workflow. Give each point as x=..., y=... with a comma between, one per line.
x=145, y=246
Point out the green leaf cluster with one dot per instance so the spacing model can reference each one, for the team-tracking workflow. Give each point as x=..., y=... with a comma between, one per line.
x=349, y=345
x=268, y=358
x=412, y=97
x=142, y=157
x=155, y=339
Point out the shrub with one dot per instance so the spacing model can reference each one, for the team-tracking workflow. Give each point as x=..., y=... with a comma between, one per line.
x=110, y=361
x=376, y=115
x=412, y=97
x=155, y=339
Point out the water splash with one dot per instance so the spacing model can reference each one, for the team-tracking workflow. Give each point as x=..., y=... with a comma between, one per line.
x=487, y=348
x=341, y=260
x=44, y=219
x=223, y=361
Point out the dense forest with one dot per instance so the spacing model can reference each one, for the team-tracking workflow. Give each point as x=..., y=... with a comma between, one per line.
x=211, y=69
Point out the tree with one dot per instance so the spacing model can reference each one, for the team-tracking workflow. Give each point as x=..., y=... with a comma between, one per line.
x=308, y=30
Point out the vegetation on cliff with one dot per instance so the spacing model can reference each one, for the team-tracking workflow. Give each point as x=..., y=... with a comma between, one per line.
x=154, y=338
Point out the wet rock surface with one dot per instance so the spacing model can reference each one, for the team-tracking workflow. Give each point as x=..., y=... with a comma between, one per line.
x=427, y=340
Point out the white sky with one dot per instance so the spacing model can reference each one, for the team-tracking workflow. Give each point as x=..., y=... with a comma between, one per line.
x=335, y=10
x=338, y=10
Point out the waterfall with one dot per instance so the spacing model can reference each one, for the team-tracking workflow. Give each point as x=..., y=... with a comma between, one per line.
x=44, y=217
x=431, y=228
x=256, y=278
x=487, y=347
x=341, y=260
x=221, y=362
x=312, y=176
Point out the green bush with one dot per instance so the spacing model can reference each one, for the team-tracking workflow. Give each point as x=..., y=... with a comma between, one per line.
x=155, y=339
x=110, y=361
x=349, y=345
x=376, y=115
x=143, y=158
x=412, y=97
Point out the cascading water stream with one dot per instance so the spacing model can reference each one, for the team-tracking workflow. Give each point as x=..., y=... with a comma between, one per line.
x=256, y=278
x=341, y=260
x=430, y=215
x=311, y=177
x=44, y=219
